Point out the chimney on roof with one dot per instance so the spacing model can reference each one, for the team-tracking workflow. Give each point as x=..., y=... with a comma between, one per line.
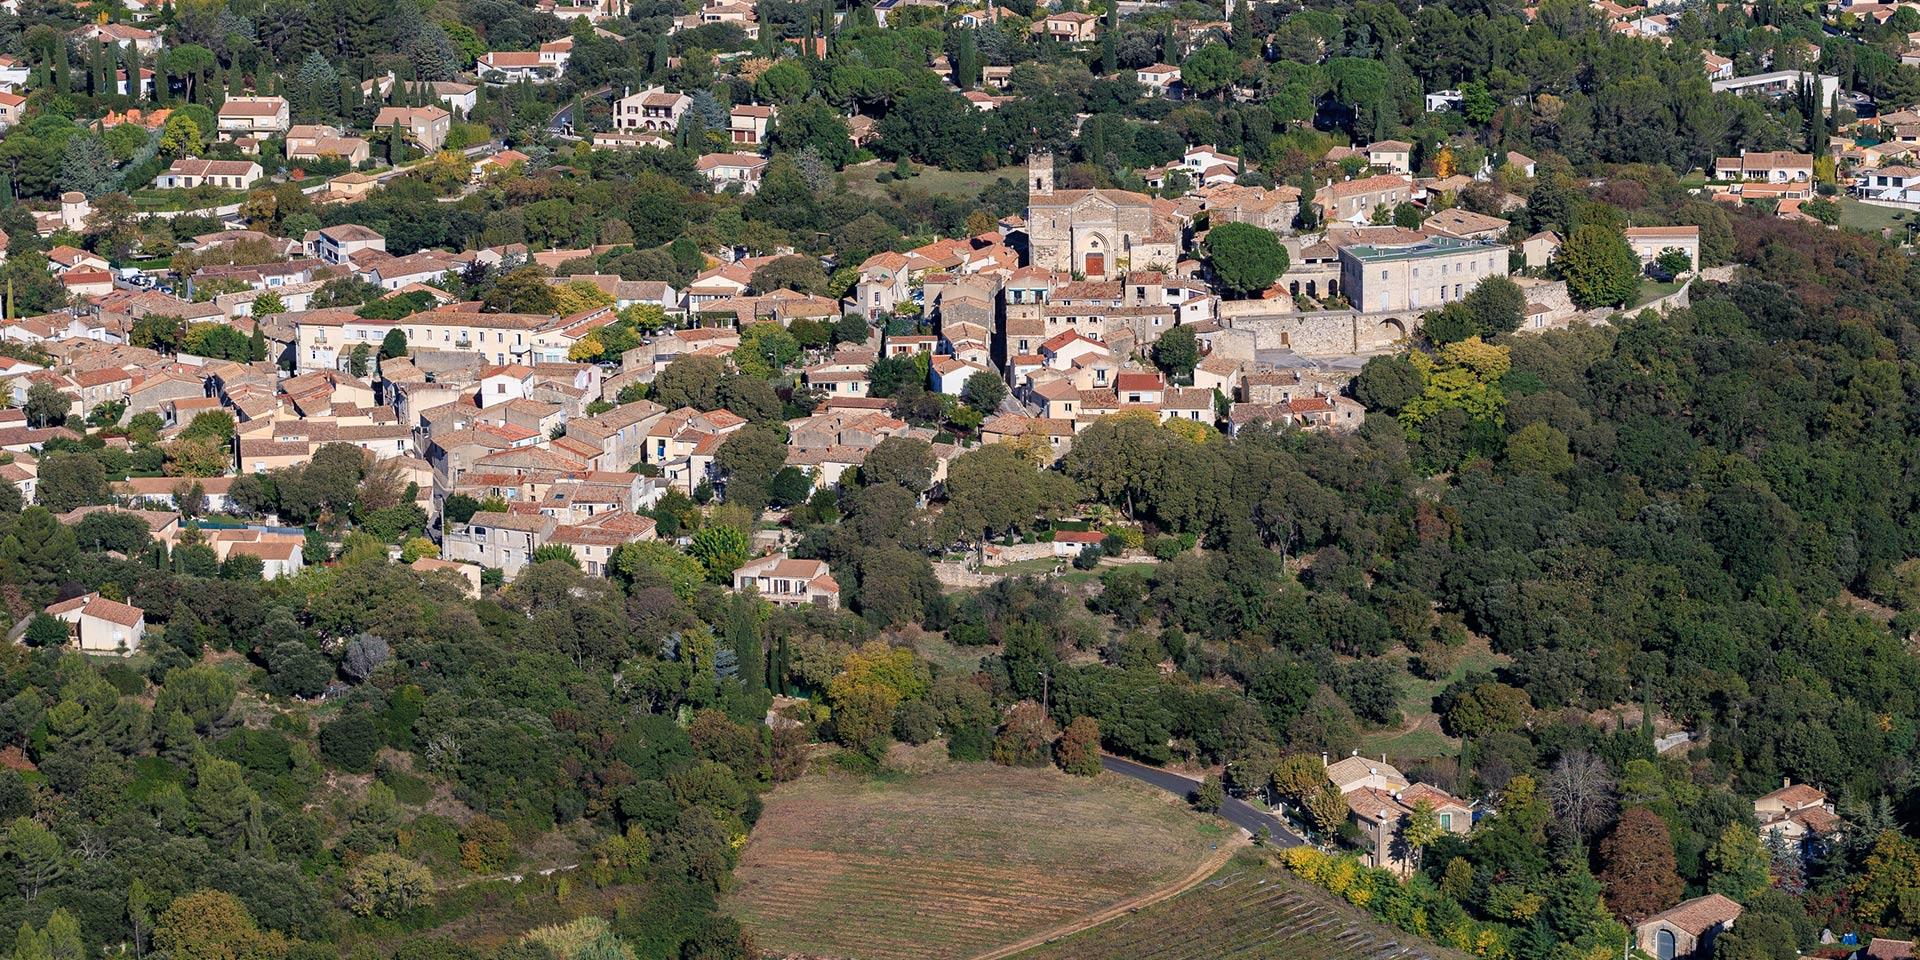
x=1323, y=759
x=1786, y=782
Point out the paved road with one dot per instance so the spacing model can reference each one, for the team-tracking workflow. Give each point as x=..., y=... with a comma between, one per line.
x=1240, y=813
x=561, y=123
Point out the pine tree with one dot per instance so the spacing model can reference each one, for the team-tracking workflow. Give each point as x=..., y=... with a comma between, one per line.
x=364, y=27
x=432, y=55
x=86, y=166
x=31, y=944
x=1240, y=30
x=63, y=937
x=317, y=88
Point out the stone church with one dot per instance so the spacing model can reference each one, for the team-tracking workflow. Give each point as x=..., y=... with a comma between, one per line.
x=1097, y=233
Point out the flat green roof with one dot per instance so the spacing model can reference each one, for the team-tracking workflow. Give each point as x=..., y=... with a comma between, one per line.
x=1431, y=247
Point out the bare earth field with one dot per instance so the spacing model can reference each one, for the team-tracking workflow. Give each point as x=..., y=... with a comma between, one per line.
x=954, y=861
x=1248, y=911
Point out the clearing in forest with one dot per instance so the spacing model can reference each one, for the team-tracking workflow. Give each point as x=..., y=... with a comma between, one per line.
x=954, y=861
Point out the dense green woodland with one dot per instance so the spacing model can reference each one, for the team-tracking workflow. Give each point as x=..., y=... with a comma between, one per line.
x=601, y=716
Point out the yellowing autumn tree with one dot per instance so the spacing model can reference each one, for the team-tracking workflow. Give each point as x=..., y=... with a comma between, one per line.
x=576, y=296
x=872, y=683
x=587, y=349
x=1463, y=376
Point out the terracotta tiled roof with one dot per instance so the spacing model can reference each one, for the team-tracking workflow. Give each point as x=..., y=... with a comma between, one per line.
x=99, y=607
x=1795, y=795
x=1698, y=915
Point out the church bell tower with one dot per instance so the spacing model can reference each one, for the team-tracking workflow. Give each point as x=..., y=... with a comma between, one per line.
x=1040, y=173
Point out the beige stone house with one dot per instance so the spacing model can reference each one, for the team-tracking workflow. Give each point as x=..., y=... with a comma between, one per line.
x=102, y=626
x=788, y=582
x=1686, y=930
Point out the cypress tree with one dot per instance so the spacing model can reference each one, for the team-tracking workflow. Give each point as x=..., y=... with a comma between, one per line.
x=160, y=88
x=1110, y=41
x=783, y=666
x=744, y=634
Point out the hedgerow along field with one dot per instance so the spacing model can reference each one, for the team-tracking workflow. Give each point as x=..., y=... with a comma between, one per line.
x=1247, y=911
x=955, y=861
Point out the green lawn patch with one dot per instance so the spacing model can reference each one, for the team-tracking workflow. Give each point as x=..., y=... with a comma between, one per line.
x=1651, y=290
x=928, y=180
x=950, y=657
x=1855, y=215
x=1420, y=736
x=157, y=201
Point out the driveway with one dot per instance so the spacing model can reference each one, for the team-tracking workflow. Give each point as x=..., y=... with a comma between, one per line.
x=1240, y=813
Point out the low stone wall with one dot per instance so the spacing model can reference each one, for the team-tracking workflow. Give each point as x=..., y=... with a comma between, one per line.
x=1015, y=553
x=1326, y=333
x=1672, y=301
x=957, y=576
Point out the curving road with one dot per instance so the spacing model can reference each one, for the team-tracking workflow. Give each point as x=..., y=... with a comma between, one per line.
x=1240, y=813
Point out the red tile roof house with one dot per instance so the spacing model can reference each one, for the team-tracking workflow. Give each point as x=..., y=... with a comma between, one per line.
x=1880, y=948
x=732, y=169
x=1067, y=544
x=1688, y=929
x=788, y=582
x=1649, y=243
x=187, y=173
x=1796, y=812
x=102, y=626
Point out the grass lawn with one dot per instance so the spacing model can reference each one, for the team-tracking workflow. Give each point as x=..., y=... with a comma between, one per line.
x=953, y=861
x=928, y=180
x=948, y=656
x=1039, y=566
x=1247, y=911
x=1855, y=215
x=156, y=201
x=1421, y=737
x=1651, y=290
x=1094, y=575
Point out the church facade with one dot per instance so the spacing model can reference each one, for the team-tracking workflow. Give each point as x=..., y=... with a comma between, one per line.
x=1097, y=233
